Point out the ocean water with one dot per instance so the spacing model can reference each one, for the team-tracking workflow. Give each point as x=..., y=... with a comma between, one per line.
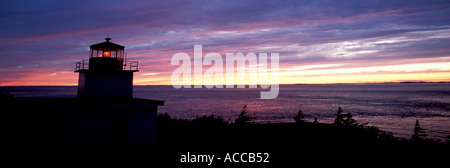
x=391, y=107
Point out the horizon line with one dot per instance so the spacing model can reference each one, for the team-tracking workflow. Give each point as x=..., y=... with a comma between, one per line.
x=363, y=83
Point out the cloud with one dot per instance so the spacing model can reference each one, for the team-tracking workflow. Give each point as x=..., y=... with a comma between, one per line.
x=56, y=34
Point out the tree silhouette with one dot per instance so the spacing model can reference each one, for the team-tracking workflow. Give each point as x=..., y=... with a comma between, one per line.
x=419, y=132
x=300, y=117
x=244, y=118
x=163, y=117
x=339, y=117
x=315, y=120
x=345, y=119
x=349, y=121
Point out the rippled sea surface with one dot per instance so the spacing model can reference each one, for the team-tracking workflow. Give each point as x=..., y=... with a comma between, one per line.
x=391, y=107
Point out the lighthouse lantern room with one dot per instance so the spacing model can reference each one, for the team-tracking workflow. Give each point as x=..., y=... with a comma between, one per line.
x=107, y=73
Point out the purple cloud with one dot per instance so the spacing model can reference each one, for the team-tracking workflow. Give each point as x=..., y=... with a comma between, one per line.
x=56, y=34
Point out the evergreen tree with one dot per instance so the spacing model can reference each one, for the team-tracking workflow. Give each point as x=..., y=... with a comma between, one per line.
x=345, y=119
x=419, y=132
x=349, y=121
x=300, y=117
x=339, y=117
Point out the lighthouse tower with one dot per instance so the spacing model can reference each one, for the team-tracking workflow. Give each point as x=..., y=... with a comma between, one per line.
x=104, y=112
x=106, y=74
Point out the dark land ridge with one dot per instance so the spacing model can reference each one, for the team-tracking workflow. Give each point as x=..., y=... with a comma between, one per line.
x=337, y=143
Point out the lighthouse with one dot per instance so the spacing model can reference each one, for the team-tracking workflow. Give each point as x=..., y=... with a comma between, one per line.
x=107, y=73
x=103, y=113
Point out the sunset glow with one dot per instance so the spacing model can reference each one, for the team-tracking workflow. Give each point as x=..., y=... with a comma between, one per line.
x=318, y=43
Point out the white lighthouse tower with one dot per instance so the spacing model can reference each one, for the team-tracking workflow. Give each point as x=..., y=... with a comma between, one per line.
x=106, y=74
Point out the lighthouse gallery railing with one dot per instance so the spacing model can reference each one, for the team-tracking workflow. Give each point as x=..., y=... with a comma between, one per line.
x=127, y=66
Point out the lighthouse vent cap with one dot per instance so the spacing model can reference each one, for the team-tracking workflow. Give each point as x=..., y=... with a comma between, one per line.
x=107, y=44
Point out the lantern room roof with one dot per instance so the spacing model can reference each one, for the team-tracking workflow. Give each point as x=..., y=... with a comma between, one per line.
x=107, y=44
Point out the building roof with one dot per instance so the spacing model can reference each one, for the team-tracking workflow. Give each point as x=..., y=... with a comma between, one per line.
x=107, y=44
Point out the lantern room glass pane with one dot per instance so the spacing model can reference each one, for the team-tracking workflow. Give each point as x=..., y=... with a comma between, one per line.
x=99, y=53
x=107, y=52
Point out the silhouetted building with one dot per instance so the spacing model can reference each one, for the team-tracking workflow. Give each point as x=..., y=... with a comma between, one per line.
x=104, y=111
x=107, y=72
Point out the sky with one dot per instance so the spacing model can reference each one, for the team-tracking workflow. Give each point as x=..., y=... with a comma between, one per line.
x=318, y=41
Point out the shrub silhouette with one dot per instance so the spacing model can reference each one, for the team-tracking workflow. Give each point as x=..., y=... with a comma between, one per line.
x=163, y=117
x=210, y=121
x=244, y=118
